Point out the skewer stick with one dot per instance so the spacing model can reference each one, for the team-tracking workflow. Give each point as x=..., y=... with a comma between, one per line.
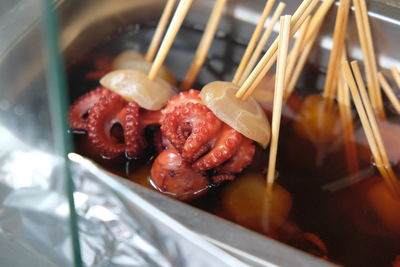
x=339, y=36
x=261, y=44
x=272, y=50
x=253, y=82
x=309, y=43
x=294, y=53
x=270, y=57
x=363, y=43
x=180, y=14
x=348, y=127
x=299, y=67
x=375, y=129
x=369, y=110
x=368, y=121
x=284, y=33
x=158, y=34
x=389, y=92
x=372, y=56
x=396, y=76
x=204, y=46
x=253, y=41
x=364, y=33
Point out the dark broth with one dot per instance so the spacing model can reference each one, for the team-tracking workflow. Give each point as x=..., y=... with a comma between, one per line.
x=325, y=202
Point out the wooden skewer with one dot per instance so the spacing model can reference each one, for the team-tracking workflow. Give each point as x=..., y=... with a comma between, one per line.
x=162, y=25
x=363, y=43
x=312, y=34
x=368, y=108
x=364, y=33
x=252, y=82
x=253, y=41
x=348, y=126
x=396, y=76
x=284, y=33
x=370, y=126
x=348, y=76
x=299, y=67
x=204, y=46
x=372, y=56
x=271, y=51
x=294, y=54
x=389, y=92
x=339, y=36
x=174, y=26
x=261, y=44
x=270, y=56
x=375, y=129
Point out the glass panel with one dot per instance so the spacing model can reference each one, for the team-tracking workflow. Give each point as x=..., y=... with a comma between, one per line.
x=34, y=207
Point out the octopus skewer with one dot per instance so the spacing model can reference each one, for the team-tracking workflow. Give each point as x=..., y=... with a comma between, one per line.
x=116, y=114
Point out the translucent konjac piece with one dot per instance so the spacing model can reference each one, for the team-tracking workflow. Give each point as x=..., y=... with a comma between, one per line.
x=246, y=117
x=134, y=85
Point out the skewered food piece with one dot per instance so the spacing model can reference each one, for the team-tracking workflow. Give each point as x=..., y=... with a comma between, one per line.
x=315, y=122
x=385, y=204
x=114, y=126
x=115, y=118
x=245, y=116
x=172, y=175
x=245, y=200
x=78, y=111
x=378, y=205
x=202, y=144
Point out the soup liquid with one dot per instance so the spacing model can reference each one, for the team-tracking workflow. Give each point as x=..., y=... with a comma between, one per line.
x=327, y=201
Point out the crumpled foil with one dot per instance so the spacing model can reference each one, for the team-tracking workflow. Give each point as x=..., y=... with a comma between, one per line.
x=117, y=227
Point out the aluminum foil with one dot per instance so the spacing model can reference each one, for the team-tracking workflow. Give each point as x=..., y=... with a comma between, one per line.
x=117, y=228
x=120, y=228
x=34, y=229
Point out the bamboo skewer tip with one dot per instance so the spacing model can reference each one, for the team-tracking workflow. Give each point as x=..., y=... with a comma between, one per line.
x=159, y=32
x=173, y=28
x=284, y=33
x=204, y=45
x=253, y=41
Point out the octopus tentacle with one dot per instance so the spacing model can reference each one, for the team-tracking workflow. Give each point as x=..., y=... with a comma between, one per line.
x=219, y=178
x=200, y=152
x=241, y=159
x=224, y=148
x=184, y=129
x=80, y=108
x=103, y=116
x=199, y=143
x=133, y=136
x=203, y=126
x=172, y=175
x=191, y=96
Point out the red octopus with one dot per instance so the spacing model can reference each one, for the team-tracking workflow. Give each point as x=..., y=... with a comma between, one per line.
x=114, y=126
x=201, y=146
